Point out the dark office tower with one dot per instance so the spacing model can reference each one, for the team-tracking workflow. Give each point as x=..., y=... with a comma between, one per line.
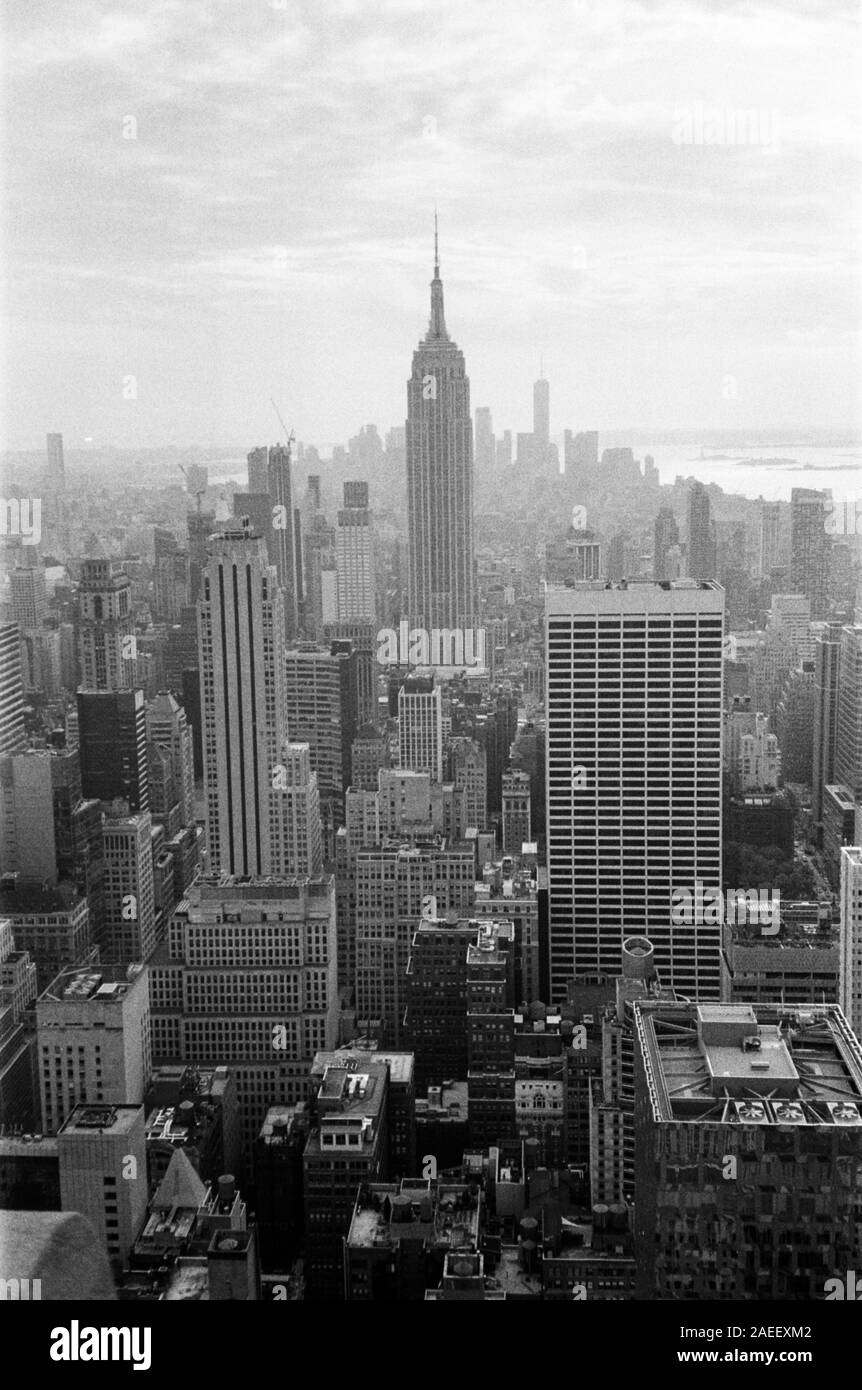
x=848, y=733
x=666, y=536
x=281, y=536
x=201, y=526
x=748, y=1146
x=435, y=1019
x=634, y=777
x=12, y=735
x=106, y=628
x=244, y=712
x=498, y=734
x=112, y=741
x=541, y=420
x=441, y=583
x=810, y=547
x=827, y=653
x=701, y=562
x=347, y=1148
x=484, y=451
x=363, y=637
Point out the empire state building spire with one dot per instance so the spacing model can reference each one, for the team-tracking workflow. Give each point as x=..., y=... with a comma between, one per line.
x=441, y=581
x=437, y=322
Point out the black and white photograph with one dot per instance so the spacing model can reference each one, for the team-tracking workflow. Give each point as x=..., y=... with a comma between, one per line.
x=430, y=672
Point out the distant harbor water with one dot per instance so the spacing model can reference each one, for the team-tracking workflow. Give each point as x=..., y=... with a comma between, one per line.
x=754, y=471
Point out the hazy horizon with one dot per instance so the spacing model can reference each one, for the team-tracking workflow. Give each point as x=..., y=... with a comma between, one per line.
x=211, y=204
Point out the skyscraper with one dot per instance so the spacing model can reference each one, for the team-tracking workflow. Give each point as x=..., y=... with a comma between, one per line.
x=169, y=729
x=243, y=699
x=354, y=555
x=112, y=740
x=129, y=930
x=633, y=775
x=106, y=628
x=850, y=939
x=281, y=540
x=848, y=729
x=541, y=420
x=56, y=464
x=28, y=594
x=827, y=651
x=810, y=547
x=701, y=535
x=484, y=444
x=439, y=437
x=666, y=536
x=12, y=736
x=748, y=1141
x=770, y=538
x=103, y=1173
x=93, y=1040
x=420, y=726
x=300, y=850
x=322, y=709
x=516, y=811
x=392, y=880
x=257, y=956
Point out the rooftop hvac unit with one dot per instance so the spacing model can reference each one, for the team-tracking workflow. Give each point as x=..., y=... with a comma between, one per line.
x=789, y=1113
x=845, y=1112
x=751, y=1111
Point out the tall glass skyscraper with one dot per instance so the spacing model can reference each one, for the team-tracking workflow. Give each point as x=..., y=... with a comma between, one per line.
x=634, y=681
x=439, y=439
x=243, y=702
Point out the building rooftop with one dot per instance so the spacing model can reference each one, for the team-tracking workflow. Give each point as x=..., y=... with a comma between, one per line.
x=102, y=1119
x=21, y=897
x=445, y=1216
x=28, y=1146
x=750, y=1064
x=352, y=1057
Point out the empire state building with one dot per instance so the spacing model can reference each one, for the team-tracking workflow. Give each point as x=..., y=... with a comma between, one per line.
x=441, y=578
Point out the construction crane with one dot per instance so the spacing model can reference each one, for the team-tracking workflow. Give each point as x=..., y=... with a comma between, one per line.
x=199, y=492
x=288, y=434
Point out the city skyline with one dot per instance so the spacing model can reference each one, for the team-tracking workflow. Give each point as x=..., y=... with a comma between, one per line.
x=216, y=274
x=431, y=845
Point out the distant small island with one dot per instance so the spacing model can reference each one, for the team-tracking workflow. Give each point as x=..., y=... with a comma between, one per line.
x=776, y=463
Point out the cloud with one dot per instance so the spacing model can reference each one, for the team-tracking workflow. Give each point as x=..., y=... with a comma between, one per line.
x=330, y=128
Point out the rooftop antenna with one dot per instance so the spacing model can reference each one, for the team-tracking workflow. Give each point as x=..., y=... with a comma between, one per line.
x=436, y=255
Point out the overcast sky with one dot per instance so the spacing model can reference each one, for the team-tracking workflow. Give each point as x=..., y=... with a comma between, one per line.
x=269, y=229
